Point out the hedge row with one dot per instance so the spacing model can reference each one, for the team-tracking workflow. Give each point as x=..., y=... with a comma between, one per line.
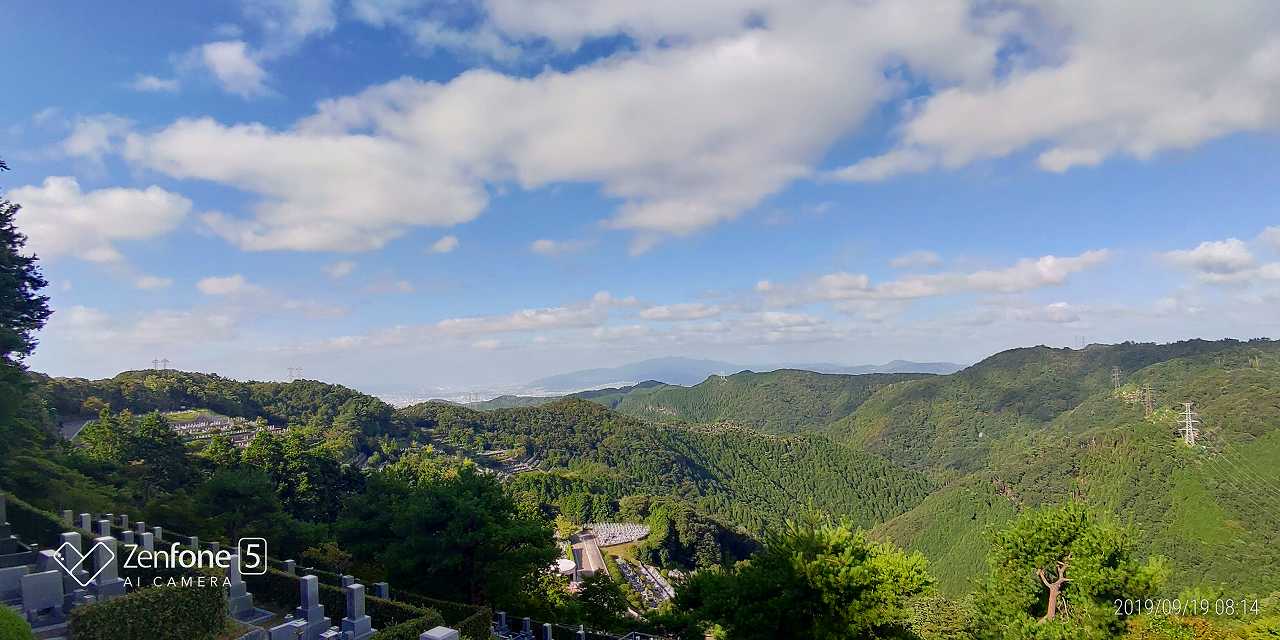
x=470, y=620
x=281, y=589
x=13, y=627
x=34, y=525
x=410, y=629
x=159, y=613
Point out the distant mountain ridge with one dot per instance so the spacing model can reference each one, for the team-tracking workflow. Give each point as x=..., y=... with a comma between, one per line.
x=691, y=371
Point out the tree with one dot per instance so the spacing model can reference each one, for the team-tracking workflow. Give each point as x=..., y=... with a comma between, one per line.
x=603, y=602
x=161, y=451
x=235, y=502
x=1055, y=572
x=456, y=534
x=23, y=311
x=222, y=452
x=811, y=580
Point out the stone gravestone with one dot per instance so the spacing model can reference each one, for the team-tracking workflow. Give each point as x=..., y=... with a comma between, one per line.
x=159, y=533
x=107, y=584
x=124, y=521
x=310, y=610
x=127, y=537
x=139, y=527
x=104, y=528
x=346, y=581
x=441, y=633
x=8, y=544
x=68, y=518
x=86, y=523
x=147, y=541
x=526, y=627
x=289, y=630
x=239, y=600
x=291, y=567
x=73, y=559
x=356, y=624
x=11, y=583
x=502, y=621
x=382, y=590
x=42, y=598
x=546, y=632
x=195, y=543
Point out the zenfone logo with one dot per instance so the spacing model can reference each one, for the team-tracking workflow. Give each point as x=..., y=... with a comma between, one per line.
x=253, y=556
x=71, y=561
x=251, y=553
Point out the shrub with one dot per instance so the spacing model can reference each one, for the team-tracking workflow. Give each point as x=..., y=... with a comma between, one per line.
x=13, y=627
x=410, y=629
x=158, y=613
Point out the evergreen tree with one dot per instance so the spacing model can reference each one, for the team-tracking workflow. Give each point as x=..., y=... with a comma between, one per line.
x=812, y=580
x=23, y=311
x=1056, y=572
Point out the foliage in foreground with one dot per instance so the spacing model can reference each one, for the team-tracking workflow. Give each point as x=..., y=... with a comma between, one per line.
x=811, y=580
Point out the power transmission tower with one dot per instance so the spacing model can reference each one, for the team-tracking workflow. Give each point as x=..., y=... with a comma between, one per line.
x=1190, y=420
x=164, y=363
x=1115, y=379
x=295, y=373
x=155, y=364
x=1148, y=401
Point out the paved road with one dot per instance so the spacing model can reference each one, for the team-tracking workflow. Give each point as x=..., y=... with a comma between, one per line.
x=71, y=428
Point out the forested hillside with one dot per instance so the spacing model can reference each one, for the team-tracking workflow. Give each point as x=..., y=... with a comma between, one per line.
x=745, y=477
x=950, y=423
x=1209, y=509
x=280, y=403
x=783, y=401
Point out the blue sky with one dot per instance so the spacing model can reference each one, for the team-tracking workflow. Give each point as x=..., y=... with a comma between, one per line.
x=421, y=196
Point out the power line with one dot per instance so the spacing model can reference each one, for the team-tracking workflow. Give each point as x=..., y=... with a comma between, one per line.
x=1115, y=379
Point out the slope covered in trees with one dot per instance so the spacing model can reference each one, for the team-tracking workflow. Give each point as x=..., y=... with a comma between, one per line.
x=748, y=478
x=1209, y=509
x=951, y=423
x=280, y=403
x=783, y=401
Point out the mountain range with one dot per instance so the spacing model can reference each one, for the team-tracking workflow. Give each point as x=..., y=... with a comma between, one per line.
x=689, y=371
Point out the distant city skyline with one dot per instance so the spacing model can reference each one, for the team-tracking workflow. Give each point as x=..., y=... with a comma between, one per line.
x=473, y=195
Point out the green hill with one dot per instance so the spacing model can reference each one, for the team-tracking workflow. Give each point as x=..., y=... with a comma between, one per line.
x=949, y=424
x=743, y=476
x=1211, y=510
x=280, y=403
x=783, y=401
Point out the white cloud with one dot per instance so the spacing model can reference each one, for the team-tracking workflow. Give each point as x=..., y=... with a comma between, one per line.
x=486, y=345
x=547, y=247
x=683, y=311
x=919, y=259
x=340, y=269
x=1271, y=236
x=94, y=136
x=152, y=282
x=1222, y=257
x=318, y=192
x=524, y=320
x=154, y=84
x=1025, y=275
x=444, y=245
x=234, y=67
x=286, y=23
x=227, y=286
x=60, y=219
x=1099, y=78
x=684, y=135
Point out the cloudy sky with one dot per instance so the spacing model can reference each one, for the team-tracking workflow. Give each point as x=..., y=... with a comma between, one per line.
x=398, y=195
